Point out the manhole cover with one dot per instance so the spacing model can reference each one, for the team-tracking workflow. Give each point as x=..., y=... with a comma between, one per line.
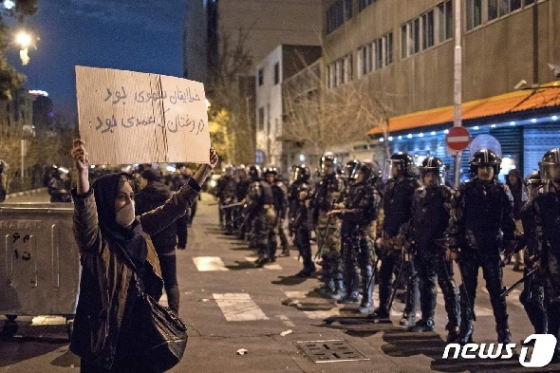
x=330, y=351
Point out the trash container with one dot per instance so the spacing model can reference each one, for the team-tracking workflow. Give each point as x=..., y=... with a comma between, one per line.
x=39, y=261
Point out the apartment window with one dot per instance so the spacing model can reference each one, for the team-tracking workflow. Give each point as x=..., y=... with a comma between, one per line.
x=348, y=61
x=404, y=41
x=445, y=18
x=341, y=74
x=514, y=5
x=276, y=73
x=268, y=119
x=428, y=30
x=474, y=13
x=492, y=9
x=335, y=16
x=378, y=54
x=260, y=77
x=388, y=48
x=261, y=119
x=364, y=3
x=347, y=9
x=370, y=57
x=362, y=61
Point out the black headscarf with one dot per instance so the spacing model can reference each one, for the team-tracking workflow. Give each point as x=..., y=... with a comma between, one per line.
x=130, y=239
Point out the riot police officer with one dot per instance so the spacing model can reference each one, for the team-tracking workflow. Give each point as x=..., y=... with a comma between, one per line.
x=300, y=175
x=431, y=208
x=357, y=213
x=326, y=193
x=260, y=214
x=225, y=190
x=241, y=190
x=279, y=192
x=397, y=203
x=482, y=212
x=547, y=233
x=532, y=296
x=301, y=229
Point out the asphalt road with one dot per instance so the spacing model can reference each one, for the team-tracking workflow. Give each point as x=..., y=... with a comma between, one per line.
x=230, y=305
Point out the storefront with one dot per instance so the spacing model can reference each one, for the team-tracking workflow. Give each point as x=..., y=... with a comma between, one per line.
x=526, y=124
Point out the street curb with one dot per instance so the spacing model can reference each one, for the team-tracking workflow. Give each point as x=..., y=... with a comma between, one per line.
x=25, y=193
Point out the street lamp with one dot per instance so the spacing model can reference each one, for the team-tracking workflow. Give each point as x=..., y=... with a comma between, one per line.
x=24, y=40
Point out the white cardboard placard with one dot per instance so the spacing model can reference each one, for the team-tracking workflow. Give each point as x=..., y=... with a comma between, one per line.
x=128, y=117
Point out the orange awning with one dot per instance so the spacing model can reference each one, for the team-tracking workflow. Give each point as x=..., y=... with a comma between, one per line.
x=547, y=95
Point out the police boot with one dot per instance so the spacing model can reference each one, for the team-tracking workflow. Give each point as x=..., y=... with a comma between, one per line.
x=423, y=325
x=308, y=268
x=353, y=293
x=381, y=313
x=368, y=281
x=339, y=290
x=453, y=333
x=285, y=251
x=467, y=330
x=408, y=318
x=504, y=335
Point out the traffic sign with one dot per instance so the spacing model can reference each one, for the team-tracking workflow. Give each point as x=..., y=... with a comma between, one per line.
x=458, y=138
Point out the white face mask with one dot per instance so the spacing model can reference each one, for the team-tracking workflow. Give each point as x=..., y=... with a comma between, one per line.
x=126, y=215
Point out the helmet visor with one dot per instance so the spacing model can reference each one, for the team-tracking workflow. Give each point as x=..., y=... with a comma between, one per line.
x=549, y=171
x=436, y=172
x=327, y=166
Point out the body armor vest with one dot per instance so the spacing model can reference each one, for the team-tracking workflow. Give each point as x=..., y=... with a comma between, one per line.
x=397, y=202
x=431, y=212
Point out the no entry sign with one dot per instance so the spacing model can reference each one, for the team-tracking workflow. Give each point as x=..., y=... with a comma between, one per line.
x=458, y=138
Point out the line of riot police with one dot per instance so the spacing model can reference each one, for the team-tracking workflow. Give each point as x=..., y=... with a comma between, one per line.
x=414, y=226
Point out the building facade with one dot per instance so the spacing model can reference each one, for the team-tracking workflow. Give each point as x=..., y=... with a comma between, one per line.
x=251, y=27
x=283, y=63
x=404, y=49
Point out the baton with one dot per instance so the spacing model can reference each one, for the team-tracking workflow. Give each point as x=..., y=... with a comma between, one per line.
x=519, y=282
x=470, y=306
x=396, y=285
x=231, y=205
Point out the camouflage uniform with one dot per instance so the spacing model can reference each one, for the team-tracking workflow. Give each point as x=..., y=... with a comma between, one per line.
x=326, y=193
x=260, y=212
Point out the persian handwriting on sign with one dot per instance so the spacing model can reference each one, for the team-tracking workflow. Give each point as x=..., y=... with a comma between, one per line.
x=173, y=125
x=119, y=96
x=145, y=97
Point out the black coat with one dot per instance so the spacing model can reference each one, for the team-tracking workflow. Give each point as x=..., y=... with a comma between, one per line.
x=154, y=195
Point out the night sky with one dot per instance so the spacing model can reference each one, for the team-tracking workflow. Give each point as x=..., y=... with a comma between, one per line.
x=138, y=35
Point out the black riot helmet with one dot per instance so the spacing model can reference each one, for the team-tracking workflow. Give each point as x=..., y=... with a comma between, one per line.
x=372, y=169
x=351, y=169
x=270, y=171
x=303, y=187
x=254, y=173
x=435, y=165
x=531, y=184
x=485, y=157
x=328, y=157
x=241, y=171
x=550, y=166
x=404, y=164
x=301, y=173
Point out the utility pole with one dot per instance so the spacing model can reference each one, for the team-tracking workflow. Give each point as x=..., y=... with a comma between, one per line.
x=457, y=82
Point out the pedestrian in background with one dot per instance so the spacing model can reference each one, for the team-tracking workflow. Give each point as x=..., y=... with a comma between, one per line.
x=57, y=188
x=107, y=231
x=153, y=193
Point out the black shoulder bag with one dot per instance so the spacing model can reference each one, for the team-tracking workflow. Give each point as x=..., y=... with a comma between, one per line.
x=163, y=335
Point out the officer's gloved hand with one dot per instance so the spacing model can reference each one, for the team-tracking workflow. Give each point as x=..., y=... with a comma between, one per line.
x=452, y=254
x=509, y=250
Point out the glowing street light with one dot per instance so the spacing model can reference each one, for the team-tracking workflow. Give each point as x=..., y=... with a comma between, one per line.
x=9, y=4
x=23, y=39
